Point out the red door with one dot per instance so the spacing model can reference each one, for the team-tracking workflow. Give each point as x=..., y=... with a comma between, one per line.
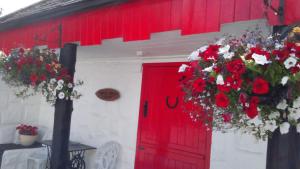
x=167, y=137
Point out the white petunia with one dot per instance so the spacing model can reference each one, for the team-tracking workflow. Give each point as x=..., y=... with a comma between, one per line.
x=290, y=62
x=52, y=81
x=282, y=105
x=181, y=69
x=60, y=82
x=208, y=69
x=59, y=87
x=296, y=103
x=294, y=115
x=284, y=128
x=271, y=125
x=260, y=59
x=274, y=115
x=70, y=85
x=224, y=49
x=278, y=45
x=298, y=128
x=194, y=56
x=61, y=95
x=202, y=49
x=228, y=55
x=284, y=80
x=220, y=80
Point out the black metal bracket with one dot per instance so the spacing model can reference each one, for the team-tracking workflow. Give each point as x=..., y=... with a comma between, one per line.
x=44, y=37
x=277, y=11
x=174, y=105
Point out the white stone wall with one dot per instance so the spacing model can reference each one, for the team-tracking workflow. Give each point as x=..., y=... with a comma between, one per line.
x=14, y=110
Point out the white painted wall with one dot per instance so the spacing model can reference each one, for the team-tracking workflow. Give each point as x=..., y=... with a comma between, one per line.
x=115, y=64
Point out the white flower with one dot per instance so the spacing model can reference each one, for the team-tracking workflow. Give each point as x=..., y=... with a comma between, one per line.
x=220, y=80
x=208, y=69
x=59, y=87
x=61, y=95
x=194, y=56
x=294, y=115
x=278, y=45
x=284, y=128
x=181, y=69
x=52, y=81
x=290, y=62
x=296, y=103
x=260, y=59
x=274, y=115
x=228, y=55
x=271, y=125
x=284, y=80
x=298, y=127
x=202, y=49
x=282, y=105
x=224, y=49
x=70, y=85
x=60, y=82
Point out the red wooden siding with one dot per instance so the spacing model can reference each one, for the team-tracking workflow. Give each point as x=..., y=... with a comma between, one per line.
x=136, y=20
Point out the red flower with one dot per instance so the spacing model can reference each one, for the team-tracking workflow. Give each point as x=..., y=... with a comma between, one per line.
x=43, y=78
x=258, y=51
x=48, y=67
x=236, y=67
x=211, y=53
x=226, y=117
x=33, y=78
x=260, y=86
x=243, y=98
x=234, y=82
x=199, y=85
x=252, y=110
x=222, y=100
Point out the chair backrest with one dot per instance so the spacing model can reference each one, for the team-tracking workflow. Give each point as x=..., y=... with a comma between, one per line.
x=107, y=155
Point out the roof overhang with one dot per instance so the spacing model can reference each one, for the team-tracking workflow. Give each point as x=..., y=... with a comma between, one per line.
x=57, y=12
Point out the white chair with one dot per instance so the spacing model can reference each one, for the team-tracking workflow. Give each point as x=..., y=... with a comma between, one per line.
x=107, y=155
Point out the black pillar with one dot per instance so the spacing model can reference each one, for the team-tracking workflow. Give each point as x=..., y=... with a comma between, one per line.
x=284, y=150
x=62, y=116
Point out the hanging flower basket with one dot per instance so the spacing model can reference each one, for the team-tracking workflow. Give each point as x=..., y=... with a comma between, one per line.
x=249, y=83
x=32, y=71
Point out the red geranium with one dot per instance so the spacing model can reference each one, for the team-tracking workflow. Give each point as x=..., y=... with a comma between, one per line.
x=226, y=117
x=252, y=109
x=236, y=67
x=199, y=85
x=211, y=53
x=33, y=78
x=222, y=100
x=260, y=86
x=258, y=50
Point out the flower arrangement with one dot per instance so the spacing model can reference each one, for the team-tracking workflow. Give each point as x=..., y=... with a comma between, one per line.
x=34, y=71
x=249, y=83
x=27, y=130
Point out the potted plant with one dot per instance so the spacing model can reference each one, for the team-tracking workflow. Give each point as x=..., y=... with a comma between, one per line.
x=27, y=134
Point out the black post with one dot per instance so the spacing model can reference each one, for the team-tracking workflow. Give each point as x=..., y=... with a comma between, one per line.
x=284, y=150
x=62, y=117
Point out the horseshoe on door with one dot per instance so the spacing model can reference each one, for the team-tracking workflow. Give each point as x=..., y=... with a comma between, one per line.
x=173, y=106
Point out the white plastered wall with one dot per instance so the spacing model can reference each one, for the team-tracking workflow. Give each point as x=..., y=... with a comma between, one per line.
x=115, y=64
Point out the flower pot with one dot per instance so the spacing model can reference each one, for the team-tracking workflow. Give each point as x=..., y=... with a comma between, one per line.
x=27, y=140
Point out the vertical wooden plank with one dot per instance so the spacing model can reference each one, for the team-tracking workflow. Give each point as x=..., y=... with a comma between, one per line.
x=176, y=14
x=213, y=15
x=257, y=9
x=242, y=10
x=227, y=11
x=194, y=16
